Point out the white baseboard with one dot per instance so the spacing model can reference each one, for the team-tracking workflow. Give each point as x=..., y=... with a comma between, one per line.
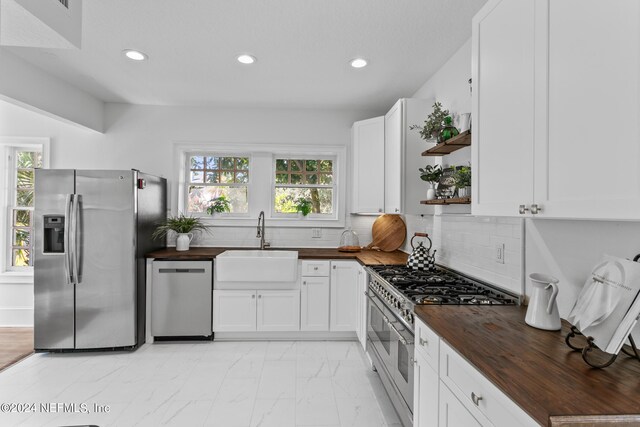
x=285, y=336
x=16, y=316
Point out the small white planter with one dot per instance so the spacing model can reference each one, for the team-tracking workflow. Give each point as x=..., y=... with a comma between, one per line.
x=183, y=240
x=431, y=192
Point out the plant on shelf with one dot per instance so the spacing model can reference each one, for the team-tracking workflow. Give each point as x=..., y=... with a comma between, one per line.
x=462, y=178
x=432, y=175
x=183, y=226
x=219, y=205
x=303, y=206
x=433, y=124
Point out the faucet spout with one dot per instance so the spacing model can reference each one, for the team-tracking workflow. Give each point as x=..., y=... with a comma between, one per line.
x=261, y=231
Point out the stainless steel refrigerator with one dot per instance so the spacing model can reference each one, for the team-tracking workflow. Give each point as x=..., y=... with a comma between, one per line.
x=92, y=229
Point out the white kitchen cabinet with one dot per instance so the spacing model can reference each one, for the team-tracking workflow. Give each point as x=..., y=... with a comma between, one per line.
x=344, y=288
x=452, y=413
x=368, y=166
x=556, y=107
x=278, y=310
x=425, y=393
x=362, y=303
x=403, y=188
x=314, y=298
x=234, y=311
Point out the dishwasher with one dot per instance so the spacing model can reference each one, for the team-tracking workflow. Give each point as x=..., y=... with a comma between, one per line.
x=181, y=299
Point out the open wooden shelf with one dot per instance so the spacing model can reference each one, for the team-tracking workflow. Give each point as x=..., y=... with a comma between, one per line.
x=452, y=201
x=450, y=145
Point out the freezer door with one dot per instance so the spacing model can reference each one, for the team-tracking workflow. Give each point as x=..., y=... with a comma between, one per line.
x=106, y=289
x=53, y=290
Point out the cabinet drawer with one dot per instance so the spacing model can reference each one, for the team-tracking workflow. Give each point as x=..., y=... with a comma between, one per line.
x=477, y=393
x=315, y=268
x=427, y=343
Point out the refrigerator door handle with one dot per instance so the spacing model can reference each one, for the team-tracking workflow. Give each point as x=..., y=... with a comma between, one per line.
x=67, y=239
x=77, y=200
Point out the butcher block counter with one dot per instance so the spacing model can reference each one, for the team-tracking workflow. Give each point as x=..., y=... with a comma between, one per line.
x=536, y=369
x=365, y=257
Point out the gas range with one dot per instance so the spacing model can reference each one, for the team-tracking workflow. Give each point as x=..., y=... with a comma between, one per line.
x=402, y=288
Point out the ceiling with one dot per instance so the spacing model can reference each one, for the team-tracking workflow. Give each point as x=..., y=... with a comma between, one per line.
x=303, y=49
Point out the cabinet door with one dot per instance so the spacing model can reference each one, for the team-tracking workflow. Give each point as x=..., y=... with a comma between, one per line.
x=344, y=286
x=314, y=310
x=234, y=311
x=393, y=155
x=425, y=394
x=452, y=413
x=362, y=303
x=503, y=107
x=589, y=139
x=278, y=311
x=368, y=166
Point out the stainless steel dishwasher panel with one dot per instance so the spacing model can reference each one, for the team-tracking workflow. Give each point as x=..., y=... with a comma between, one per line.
x=181, y=298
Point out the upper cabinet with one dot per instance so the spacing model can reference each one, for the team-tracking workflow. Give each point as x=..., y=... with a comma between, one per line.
x=403, y=187
x=368, y=166
x=556, y=106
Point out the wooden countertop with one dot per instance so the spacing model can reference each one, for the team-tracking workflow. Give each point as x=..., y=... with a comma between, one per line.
x=365, y=257
x=536, y=369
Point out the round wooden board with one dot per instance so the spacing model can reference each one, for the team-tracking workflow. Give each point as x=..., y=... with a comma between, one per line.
x=389, y=232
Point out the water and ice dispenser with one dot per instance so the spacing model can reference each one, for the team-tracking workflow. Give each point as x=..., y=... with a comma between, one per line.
x=53, y=234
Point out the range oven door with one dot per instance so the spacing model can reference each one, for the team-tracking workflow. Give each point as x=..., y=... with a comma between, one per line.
x=393, y=344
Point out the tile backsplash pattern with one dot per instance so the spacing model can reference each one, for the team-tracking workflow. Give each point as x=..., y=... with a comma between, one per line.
x=468, y=244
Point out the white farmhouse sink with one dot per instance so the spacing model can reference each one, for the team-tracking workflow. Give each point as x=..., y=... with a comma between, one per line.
x=257, y=266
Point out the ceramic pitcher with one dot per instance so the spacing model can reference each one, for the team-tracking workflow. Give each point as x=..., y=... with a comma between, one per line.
x=183, y=240
x=542, y=312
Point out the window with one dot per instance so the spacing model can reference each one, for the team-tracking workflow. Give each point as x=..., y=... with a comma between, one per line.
x=210, y=176
x=311, y=179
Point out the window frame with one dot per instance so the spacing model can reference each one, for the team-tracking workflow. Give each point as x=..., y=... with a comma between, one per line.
x=187, y=182
x=261, y=195
x=333, y=186
x=9, y=146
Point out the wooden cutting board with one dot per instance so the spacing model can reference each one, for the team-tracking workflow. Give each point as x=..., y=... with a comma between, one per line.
x=389, y=232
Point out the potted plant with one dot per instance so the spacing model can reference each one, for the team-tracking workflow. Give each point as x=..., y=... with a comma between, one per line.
x=183, y=226
x=433, y=124
x=431, y=174
x=219, y=205
x=462, y=177
x=303, y=206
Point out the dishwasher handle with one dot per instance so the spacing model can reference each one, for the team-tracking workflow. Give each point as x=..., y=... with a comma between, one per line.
x=181, y=270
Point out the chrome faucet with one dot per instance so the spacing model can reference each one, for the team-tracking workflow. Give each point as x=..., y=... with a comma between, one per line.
x=260, y=233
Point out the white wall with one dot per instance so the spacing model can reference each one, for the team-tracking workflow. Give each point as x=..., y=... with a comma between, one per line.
x=464, y=242
x=142, y=137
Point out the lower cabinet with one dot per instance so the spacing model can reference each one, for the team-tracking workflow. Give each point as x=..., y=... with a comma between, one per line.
x=344, y=288
x=362, y=303
x=425, y=393
x=314, y=299
x=249, y=310
x=452, y=412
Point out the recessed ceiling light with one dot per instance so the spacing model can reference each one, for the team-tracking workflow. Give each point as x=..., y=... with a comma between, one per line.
x=135, y=55
x=358, y=63
x=246, y=59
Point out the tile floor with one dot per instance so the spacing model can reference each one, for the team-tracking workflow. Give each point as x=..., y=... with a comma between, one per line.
x=223, y=384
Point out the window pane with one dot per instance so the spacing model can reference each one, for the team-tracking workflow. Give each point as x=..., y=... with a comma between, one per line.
x=296, y=179
x=242, y=177
x=24, y=198
x=326, y=179
x=311, y=165
x=296, y=165
x=321, y=199
x=282, y=165
x=20, y=258
x=226, y=177
x=28, y=160
x=21, y=218
x=196, y=176
x=312, y=179
x=242, y=163
x=326, y=165
x=212, y=177
x=282, y=178
x=212, y=163
x=25, y=179
x=226, y=163
x=197, y=162
x=21, y=237
x=200, y=198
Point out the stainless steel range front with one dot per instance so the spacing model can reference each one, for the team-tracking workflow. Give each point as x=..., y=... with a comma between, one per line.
x=393, y=293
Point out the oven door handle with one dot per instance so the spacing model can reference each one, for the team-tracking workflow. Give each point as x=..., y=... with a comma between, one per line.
x=390, y=325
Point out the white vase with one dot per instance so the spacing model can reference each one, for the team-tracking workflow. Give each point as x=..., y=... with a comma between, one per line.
x=431, y=192
x=183, y=240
